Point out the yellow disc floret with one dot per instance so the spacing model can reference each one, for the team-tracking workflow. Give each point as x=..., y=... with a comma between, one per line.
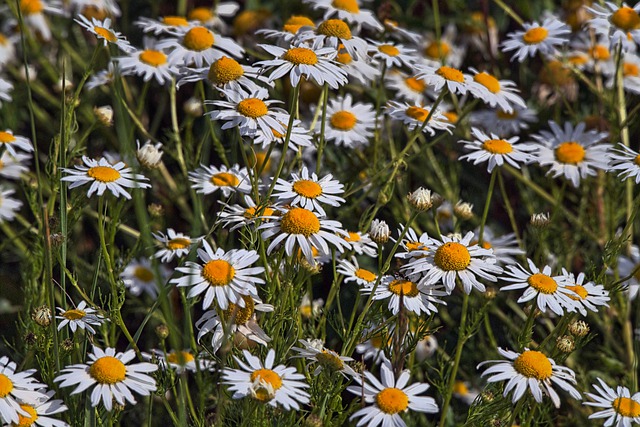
x=74, y=314
x=178, y=243
x=175, y=21
x=581, y=292
x=27, y=420
x=103, y=173
x=497, y=146
x=155, y=58
x=6, y=386
x=225, y=70
x=415, y=84
x=218, y=272
x=300, y=55
x=108, y=370
x=535, y=35
x=346, y=5
x=307, y=188
x=240, y=315
x=437, y=50
x=143, y=274
x=252, y=108
x=626, y=18
x=180, y=357
x=404, y=287
x=335, y=28
x=417, y=113
x=392, y=400
x=343, y=120
x=269, y=377
x=300, y=221
x=198, y=39
x=488, y=81
x=542, y=283
x=6, y=137
x=533, y=364
x=293, y=24
x=570, y=152
x=388, y=49
x=365, y=275
x=330, y=360
x=452, y=256
x=202, y=14
x=30, y=7
x=450, y=73
x=106, y=34
x=626, y=407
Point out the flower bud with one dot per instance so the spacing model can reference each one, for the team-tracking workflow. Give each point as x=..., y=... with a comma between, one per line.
x=379, y=232
x=42, y=315
x=540, y=220
x=193, y=107
x=162, y=331
x=149, y=156
x=579, y=328
x=104, y=115
x=420, y=199
x=566, y=343
x=463, y=210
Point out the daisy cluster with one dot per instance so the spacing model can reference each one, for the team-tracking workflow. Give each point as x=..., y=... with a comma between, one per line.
x=263, y=227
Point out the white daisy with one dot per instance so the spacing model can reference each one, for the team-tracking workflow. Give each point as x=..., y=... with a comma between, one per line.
x=209, y=179
x=224, y=276
x=82, y=317
x=391, y=55
x=413, y=116
x=224, y=73
x=354, y=273
x=443, y=49
x=289, y=30
x=277, y=386
x=356, y=69
x=588, y=296
x=16, y=387
x=174, y=244
x=456, y=258
x=548, y=291
x=531, y=370
x=495, y=150
x=408, y=88
x=399, y=33
x=348, y=10
x=5, y=88
x=626, y=266
x=307, y=229
x=308, y=191
x=240, y=216
x=39, y=411
x=333, y=33
x=310, y=308
x=361, y=243
x=504, y=247
x=102, y=77
x=112, y=376
x=491, y=91
x=163, y=25
x=572, y=152
x=377, y=340
x=13, y=142
x=104, y=176
x=389, y=398
x=299, y=136
x=329, y=360
x=349, y=124
x=618, y=24
x=8, y=205
x=414, y=245
x=250, y=111
x=199, y=45
x=12, y=166
x=620, y=408
x=415, y=297
x=139, y=276
x=630, y=73
x=438, y=77
x=212, y=16
x=623, y=159
x=103, y=31
x=179, y=360
x=297, y=61
x=503, y=123
x=149, y=63
x=544, y=38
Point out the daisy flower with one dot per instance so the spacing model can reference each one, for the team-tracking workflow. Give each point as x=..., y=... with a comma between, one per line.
x=223, y=276
x=250, y=111
x=348, y=10
x=531, y=370
x=438, y=77
x=299, y=136
x=308, y=191
x=495, y=150
x=104, y=176
x=352, y=272
x=8, y=205
x=397, y=32
x=310, y=308
x=277, y=386
x=626, y=266
x=5, y=88
x=414, y=116
x=12, y=166
x=618, y=24
x=462, y=391
x=111, y=376
x=139, y=276
x=504, y=247
x=426, y=348
x=630, y=73
x=572, y=152
x=456, y=258
x=209, y=179
x=391, y=55
x=102, y=77
x=16, y=387
x=349, y=124
x=377, y=339
x=82, y=317
x=503, y=123
x=414, y=245
x=548, y=291
x=315, y=352
x=150, y=64
x=199, y=45
x=443, y=50
x=164, y=25
x=289, y=30
x=242, y=216
x=306, y=229
x=491, y=91
x=544, y=38
x=237, y=322
x=333, y=33
x=620, y=408
x=408, y=88
x=179, y=360
x=314, y=64
x=174, y=244
x=588, y=296
x=38, y=411
x=389, y=397
x=33, y=16
x=224, y=73
x=356, y=69
x=623, y=159
x=103, y=31
x=415, y=297
x=361, y=243
x=13, y=142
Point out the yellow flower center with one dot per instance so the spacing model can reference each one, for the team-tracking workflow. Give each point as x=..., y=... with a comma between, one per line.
x=296, y=22
x=103, y=173
x=626, y=407
x=178, y=243
x=450, y=74
x=108, y=370
x=355, y=237
x=29, y=7
x=74, y=314
x=26, y=421
x=533, y=364
x=415, y=85
x=460, y=388
x=418, y=113
x=330, y=361
x=6, y=137
x=155, y=58
x=392, y=400
x=180, y=357
x=570, y=152
x=143, y=274
x=1, y=164
x=600, y=52
x=6, y=386
x=300, y=221
x=346, y=5
x=503, y=115
x=106, y=34
x=535, y=35
x=578, y=59
x=580, y=290
x=300, y=55
x=488, y=81
x=542, y=283
x=239, y=314
x=497, y=146
x=225, y=70
x=251, y=212
x=335, y=28
x=343, y=120
x=269, y=377
x=218, y=272
x=626, y=18
x=202, y=14
x=198, y=39
x=175, y=21
x=486, y=245
x=636, y=160
x=451, y=116
x=415, y=246
x=307, y=188
x=437, y=50
x=452, y=256
x=252, y=107
x=344, y=58
x=630, y=70
x=404, y=287
x=92, y=11
x=388, y=49
x=365, y=275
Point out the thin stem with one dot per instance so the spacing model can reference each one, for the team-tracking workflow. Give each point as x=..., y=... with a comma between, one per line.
x=487, y=203
x=325, y=98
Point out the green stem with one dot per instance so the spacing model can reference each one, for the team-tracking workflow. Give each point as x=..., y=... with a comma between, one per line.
x=487, y=203
x=325, y=98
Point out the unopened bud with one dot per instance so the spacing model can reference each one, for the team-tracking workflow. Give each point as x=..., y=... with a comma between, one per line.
x=162, y=331
x=42, y=316
x=463, y=210
x=579, y=328
x=379, y=232
x=421, y=199
x=540, y=220
x=104, y=115
x=193, y=107
x=155, y=210
x=566, y=344
x=149, y=156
